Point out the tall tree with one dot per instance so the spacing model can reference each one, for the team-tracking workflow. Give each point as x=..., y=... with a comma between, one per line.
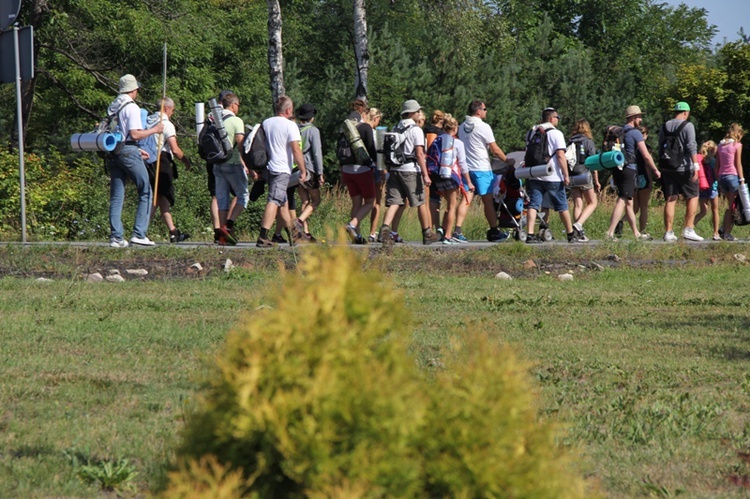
x=275, y=51
x=361, y=52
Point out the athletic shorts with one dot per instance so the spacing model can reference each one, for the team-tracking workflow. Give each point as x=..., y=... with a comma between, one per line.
x=482, y=181
x=625, y=182
x=278, y=183
x=441, y=185
x=536, y=190
x=708, y=194
x=291, y=198
x=312, y=182
x=212, y=181
x=729, y=183
x=359, y=184
x=676, y=183
x=402, y=186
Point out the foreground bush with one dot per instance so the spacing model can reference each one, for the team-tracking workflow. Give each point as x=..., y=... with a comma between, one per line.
x=318, y=397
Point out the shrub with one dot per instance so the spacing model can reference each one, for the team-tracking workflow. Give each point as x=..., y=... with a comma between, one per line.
x=317, y=396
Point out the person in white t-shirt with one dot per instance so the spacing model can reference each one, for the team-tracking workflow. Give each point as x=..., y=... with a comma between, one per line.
x=555, y=183
x=283, y=145
x=168, y=171
x=479, y=140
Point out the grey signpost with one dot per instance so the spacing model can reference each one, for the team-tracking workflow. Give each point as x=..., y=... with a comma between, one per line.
x=17, y=45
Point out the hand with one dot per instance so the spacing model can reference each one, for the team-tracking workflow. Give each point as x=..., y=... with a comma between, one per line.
x=322, y=179
x=471, y=187
x=426, y=180
x=158, y=128
x=566, y=181
x=302, y=176
x=187, y=163
x=597, y=186
x=694, y=178
x=253, y=175
x=144, y=154
x=657, y=173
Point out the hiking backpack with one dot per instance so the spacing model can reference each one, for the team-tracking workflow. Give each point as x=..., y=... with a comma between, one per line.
x=253, y=151
x=576, y=155
x=671, y=153
x=150, y=144
x=441, y=155
x=393, y=148
x=213, y=143
x=350, y=149
x=111, y=124
x=614, y=140
x=537, y=148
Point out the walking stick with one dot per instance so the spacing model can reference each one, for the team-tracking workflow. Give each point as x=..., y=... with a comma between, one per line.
x=159, y=142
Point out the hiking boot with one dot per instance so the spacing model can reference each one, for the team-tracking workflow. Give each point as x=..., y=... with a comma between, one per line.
x=265, y=243
x=228, y=235
x=177, y=236
x=116, y=242
x=278, y=239
x=533, y=239
x=429, y=237
x=689, y=234
x=670, y=237
x=495, y=235
x=459, y=236
x=618, y=229
x=142, y=241
x=360, y=240
x=351, y=231
x=385, y=236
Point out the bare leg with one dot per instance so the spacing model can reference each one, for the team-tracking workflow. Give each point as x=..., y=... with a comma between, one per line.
x=616, y=216
x=715, y=215
x=449, y=220
x=690, y=209
x=669, y=207
x=591, y=203
x=728, y=220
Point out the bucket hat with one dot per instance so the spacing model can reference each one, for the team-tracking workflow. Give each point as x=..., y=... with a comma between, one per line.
x=128, y=83
x=305, y=112
x=410, y=106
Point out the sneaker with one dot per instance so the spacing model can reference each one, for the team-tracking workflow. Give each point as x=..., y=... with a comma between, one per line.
x=178, y=236
x=573, y=237
x=496, y=235
x=450, y=241
x=717, y=237
x=310, y=238
x=429, y=237
x=729, y=237
x=581, y=235
x=691, y=235
x=278, y=239
x=459, y=236
x=228, y=235
x=351, y=231
x=299, y=226
x=360, y=239
x=116, y=242
x=396, y=238
x=142, y=241
x=670, y=237
x=618, y=229
x=264, y=243
x=441, y=233
x=221, y=240
x=373, y=238
x=645, y=236
x=456, y=240
x=611, y=239
x=533, y=239
x=385, y=236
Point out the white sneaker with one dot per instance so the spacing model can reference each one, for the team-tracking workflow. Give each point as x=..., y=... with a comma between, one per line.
x=142, y=241
x=670, y=237
x=118, y=243
x=691, y=235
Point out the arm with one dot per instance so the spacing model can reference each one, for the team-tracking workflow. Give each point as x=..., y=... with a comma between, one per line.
x=647, y=157
x=299, y=159
x=563, y=161
x=142, y=134
x=178, y=153
x=316, y=152
x=738, y=162
x=497, y=152
x=419, y=152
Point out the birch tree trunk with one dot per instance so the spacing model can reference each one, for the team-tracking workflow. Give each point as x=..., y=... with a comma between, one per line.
x=275, y=51
x=361, y=53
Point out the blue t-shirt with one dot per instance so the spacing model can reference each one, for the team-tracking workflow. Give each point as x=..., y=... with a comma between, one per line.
x=632, y=137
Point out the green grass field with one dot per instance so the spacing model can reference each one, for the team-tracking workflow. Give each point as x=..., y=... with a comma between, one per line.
x=645, y=363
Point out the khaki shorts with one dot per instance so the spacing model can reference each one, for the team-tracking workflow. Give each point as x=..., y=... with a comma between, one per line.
x=402, y=186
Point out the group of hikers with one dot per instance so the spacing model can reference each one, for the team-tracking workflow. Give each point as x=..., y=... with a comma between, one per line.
x=420, y=165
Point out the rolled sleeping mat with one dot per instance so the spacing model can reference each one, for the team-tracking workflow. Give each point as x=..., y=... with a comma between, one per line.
x=94, y=142
x=379, y=137
x=580, y=179
x=534, y=171
x=745, y=198
x=200, y=117
x=610, y=159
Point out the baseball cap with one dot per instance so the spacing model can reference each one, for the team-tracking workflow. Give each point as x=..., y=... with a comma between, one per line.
x=633, y=111
x=128, y=83
x=410, y=106
x=681, y=106
x=548, y=109
x=306, y=111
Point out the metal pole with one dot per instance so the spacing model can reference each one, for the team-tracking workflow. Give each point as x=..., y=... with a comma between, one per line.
x=19, y=115
x=161, y=117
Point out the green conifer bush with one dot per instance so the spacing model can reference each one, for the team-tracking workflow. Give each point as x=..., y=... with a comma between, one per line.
x=317, y=396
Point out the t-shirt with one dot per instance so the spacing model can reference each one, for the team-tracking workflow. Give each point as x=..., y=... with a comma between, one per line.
x=555, y=142
x=169, y=131
x=413, y=138
x=460, y=149
x=129, y=116
x=632, y=136
x=687, y=140
x=476, y=136
x=727, y=152
x=280, y=133
x=233, y=125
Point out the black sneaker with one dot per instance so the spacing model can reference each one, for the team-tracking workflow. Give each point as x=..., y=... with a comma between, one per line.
x=573, y=237
x=533, y=239
x=178, y=236
x=360, y=239
x=496, y=235
x=618, y=229
x=278, y=239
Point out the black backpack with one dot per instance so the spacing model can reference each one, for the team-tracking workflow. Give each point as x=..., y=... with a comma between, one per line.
x=537, y=147
x=344, y=152
x=253, y=151
x=615, y=134
x=213, y=143
x=579, y=143
x=671, y=153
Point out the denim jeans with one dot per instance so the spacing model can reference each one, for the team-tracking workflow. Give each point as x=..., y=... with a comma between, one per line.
x=128, y=164
x=234, y=176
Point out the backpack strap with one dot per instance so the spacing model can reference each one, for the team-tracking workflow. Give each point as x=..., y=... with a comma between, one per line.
x=117, y=113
